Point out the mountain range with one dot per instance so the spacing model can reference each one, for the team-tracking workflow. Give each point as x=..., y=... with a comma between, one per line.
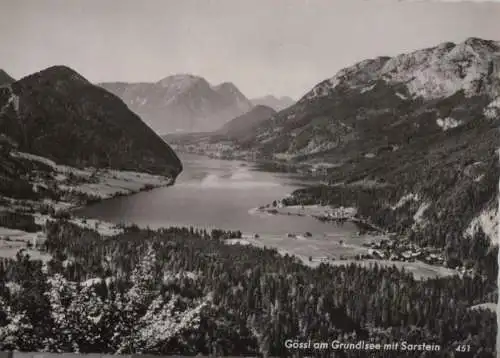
x=389, y=101
x=182, y=103
x=383, y=124
x=421, y=126
x=187, y=103
x=238, y=129
x=409, y=142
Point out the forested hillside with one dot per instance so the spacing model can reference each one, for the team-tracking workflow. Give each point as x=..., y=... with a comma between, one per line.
x=58, y=114
x=412, y=141
x=183, y=291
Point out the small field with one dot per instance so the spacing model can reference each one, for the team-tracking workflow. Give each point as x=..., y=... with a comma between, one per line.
x=11, y=241
x=96, y=184
x=314, y=250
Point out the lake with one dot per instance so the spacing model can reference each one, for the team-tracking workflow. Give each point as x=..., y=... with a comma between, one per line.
x=214, y=193
x=223, y=194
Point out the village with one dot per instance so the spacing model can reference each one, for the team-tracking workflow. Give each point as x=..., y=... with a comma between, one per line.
x=403, y=250
x=391, y=248
x=224, y=150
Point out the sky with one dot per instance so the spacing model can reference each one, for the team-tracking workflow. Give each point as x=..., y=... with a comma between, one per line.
x=279, y=47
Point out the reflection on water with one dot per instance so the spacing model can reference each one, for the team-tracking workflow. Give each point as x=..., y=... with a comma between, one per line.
x=213, y=193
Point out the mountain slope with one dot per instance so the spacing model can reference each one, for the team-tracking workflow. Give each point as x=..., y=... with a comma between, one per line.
x=428, y=73
x=413, y=143
x=240, y=127
x=409, y=95
x=277, y=104
x=5, y=78
x=58, y=114
x=182, y=103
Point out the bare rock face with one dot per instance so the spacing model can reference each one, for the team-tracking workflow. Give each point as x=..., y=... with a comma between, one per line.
x=472, y=66
x=386, y=101
x=182, y=103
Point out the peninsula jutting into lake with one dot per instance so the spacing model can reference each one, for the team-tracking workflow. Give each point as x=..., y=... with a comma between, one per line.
x=308, y=197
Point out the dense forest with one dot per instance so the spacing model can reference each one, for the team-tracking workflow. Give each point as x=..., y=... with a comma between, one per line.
x=186, y=291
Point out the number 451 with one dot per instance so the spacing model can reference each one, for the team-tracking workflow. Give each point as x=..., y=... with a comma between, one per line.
x=463, y=348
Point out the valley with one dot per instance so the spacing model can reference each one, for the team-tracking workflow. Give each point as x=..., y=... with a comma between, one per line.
x=366, y=210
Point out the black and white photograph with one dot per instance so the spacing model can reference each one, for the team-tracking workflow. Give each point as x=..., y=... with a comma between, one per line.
x=249, y=178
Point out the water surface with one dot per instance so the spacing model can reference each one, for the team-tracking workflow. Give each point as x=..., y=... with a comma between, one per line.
x=213, y=193
x=221, y=194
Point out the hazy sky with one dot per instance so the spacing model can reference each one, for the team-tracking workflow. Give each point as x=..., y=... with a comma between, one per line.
x=280, y=47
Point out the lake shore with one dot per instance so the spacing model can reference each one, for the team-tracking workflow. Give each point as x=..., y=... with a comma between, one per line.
x=366, y=253
x=324, y=213
x=311, y=248
x=307, y=170
x=78, y=188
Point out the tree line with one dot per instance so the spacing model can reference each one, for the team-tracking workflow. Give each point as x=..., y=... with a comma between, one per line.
x=185, y=291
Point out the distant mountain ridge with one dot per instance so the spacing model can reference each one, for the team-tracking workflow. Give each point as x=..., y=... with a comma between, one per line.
x=58, y=114
x=182, y=103
x=277, y=104
x=242, y=126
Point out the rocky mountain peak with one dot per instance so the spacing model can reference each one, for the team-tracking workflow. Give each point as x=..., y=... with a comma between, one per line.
x=182, y=102
x=436, y=72
x=227, y=87
x=180, y=82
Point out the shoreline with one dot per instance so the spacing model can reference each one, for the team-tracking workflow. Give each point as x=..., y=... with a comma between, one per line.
x=420, y=267
x=356, y=220
x=106, y=184
x=309, y=249
x=276, y=165
x=298, y=243
x=73, y=208
x=324, y=213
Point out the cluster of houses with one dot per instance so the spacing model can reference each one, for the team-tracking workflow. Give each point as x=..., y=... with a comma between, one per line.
x=404, y=251
x=219, y=150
